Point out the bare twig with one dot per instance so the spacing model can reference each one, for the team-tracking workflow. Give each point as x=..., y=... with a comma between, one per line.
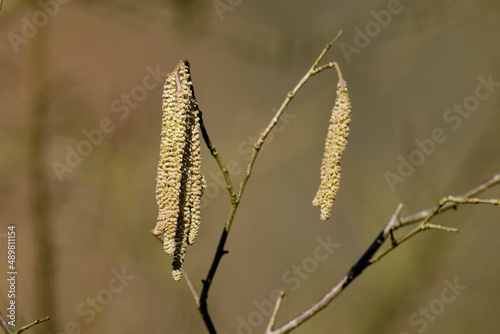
x=370, y=257
x=312, y=71
x=192, y=289
x=494, y=180
x=5, y=325
x=344, y=282
x=6, y=328
x=235, y=197
x=275, y=311
x=215, y=154
x=443, y=205
x=201, y=301
x=36, y=322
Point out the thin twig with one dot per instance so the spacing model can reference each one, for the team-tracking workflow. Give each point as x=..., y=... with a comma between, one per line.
x=312, y=71
x=236, y=197
x=5, y=325
x=369, y=257
x=201, y=301
x=327, y=47
x=344, y=282
x=258, y=144
x=275, y=311
x=192, y=289
x=36, y=322
x=215, y=154
x=6, y=328
x=492, y=181
x=188, y=281
x=443, y=205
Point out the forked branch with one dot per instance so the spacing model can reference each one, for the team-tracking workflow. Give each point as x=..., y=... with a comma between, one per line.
x=370, y=256
x=236, y=197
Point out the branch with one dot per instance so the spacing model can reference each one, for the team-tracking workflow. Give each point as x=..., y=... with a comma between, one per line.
x=370, y=257
x=444, y=204
x=495, y=179
x=201, y=301
x=6, y=328
x=5, y=325
x=348, y=278
x=215, y=154
x=236, y=197
x=36, y=322
x=258, y=144
x=275, y=311
x=192, y=289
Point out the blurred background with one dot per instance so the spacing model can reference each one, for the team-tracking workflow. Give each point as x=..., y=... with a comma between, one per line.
x=79, y=140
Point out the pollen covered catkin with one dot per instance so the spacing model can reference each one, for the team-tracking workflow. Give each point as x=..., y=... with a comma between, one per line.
x=179, y=182
x=336, y=141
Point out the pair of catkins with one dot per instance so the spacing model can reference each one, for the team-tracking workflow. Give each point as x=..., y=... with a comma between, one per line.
x=180, y=183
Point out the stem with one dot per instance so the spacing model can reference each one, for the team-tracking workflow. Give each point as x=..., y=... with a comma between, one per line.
x=369, y=257
x=192, y=289
x=36, y=322
x=5, y=325
x=492, y=181
x=357, y=269
x=6, y=328
x=236, y=197
x=444, y=204
x=215, y=154
x=275, y=311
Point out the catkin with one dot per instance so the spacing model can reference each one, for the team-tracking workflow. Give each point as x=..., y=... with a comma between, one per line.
x=179, y=182
x=335, y=144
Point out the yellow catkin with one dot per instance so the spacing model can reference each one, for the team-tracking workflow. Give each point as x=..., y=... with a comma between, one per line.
x=180, y=183
x=335, y=144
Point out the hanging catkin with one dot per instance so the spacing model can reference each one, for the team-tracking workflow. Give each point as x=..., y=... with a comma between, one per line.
x=335, y=144
x=179, y=183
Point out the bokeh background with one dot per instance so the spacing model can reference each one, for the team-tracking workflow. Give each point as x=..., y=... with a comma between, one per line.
x=76, y=231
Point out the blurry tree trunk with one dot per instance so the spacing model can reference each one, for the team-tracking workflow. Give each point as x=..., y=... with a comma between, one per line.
x=39, y=189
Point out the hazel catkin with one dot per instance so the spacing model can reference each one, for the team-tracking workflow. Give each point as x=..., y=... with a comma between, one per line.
x=335, y=144
x=179, y=182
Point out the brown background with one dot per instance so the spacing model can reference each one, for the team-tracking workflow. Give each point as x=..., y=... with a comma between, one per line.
x=428, y=58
